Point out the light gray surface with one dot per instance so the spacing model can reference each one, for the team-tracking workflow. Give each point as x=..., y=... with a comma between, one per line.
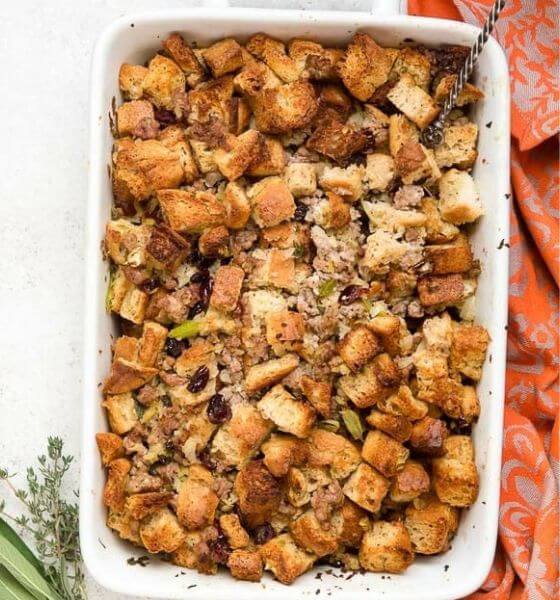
x=45, y=50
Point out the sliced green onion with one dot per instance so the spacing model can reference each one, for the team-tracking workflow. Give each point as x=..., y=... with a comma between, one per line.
x=185, y=330
x=353, y=423
x=326, y=288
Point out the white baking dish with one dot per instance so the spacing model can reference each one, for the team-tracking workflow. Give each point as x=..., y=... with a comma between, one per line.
x=464, y=567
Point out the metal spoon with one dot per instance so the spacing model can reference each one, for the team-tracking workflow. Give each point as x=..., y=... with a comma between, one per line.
x=432, y=136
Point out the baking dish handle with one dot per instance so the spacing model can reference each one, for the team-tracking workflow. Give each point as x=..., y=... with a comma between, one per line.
x=378, y=7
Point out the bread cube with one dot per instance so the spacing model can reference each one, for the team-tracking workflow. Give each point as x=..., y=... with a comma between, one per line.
x=214, y=242
x=470, y=93
x=458, y=146
x=287, y=413
x=413, y=101
x=114, y=492
x=382, y=250
x=344, y=182
x=284, y=331
x=438, y=231
x=163, y=81
x=236, y=205
x=277, y=268
x=414, y=162
x=386, y=547
x=384, y=453
x=258, y=492
x=245, y=565
x=126, y=376
x=389, y=329
x=358, y=347
x=410, y=482
x=166, y=247
x=121, y=412
x=272, y=202
x=223, y=57
x=397, y=426
x=161, y=532
x=315, y=61
x=270, y=161
x=441, y=290
x=328, y=449
x=242, y=151
x=366, y=66
x=301, y=179
x=428, y=436
x=454, y=475
x=191, y=554
x=228, y=280
x=468, y=350
x=401, y=131
x=285, y=559
x=131, y=80
x=355, y=523
x=254, y=77
x=189, y=211
x=335, y=212
x=318, y=394
x=110, y=447
x=366, y=487
x=273, y=53
x=459, y=202
x=197, y=501
x=269, y=372
x=236, y=535
x=414, y=63
x=124, y=525
x=455, y=257
x=336, y=140
x=380, y=171
x=210, y=105
x=282, y=452
x=140, y=506
x=314, y=536
x=185, y=57
x=431, y=525
x=131, y=115
x=204, y=156
x=402, y=402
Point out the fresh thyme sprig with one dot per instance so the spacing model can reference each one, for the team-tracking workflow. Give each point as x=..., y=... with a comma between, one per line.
x=51, y=521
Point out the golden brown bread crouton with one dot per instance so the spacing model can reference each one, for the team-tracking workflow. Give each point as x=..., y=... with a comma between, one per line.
x=438, y=231
x=254, y=77
x=284, y=331
x=301, y=179
x=428, y=435
x=281, y=109
x=366, y=487
x=365, y=67
x=130, y=116
x=313, y=60
x=414, y=162
x=258, y=492
x=355, y=523
x=273, y=53
x=328, y=449
x=269, y=372
x=236, y=205
x=458, y=146
x=121, y=412
x=223, y=57
x=245, y=565
x=236, y=535
x=413, y=101
x=459, y=202
x=126, y=376
x=470, y=93
x=334, y=103
x=190, y=211
x=271, y=159
x=444, y=290
x=380, y=171
x=358, y=347
x=184, y=56
x=386, y=547
x=142, y=505
x=163, y=82
x=336, y=213
x=210, y=106
x=272, y=202
x=228, y=280
x=161, y=532
x=410, y=482
x=397, y=426
x=192, y=554
x=126, y=299
x=455, y=257
x=318, y=394
x=243, y=151
x=240, y=438
x=114, y=492
x=240, y=116
x=454, y=475
x=468, y=350
x=336, y=140
x=110, y=447
x=200, y=352
x=275, y=268
x=282, y=452
x=214, y=242
x=151, y=343
x=384, y=453
x=456, y=400
x=126, y=527
x=388, y=329
x=126, y=347
x=126, y=243
x=401, y=131
x=287, y=413
x=317, y=537
x=416, y=63
x=131, y=80
x=344, y=182
x=204, y=156
x=166, y=248
x=297, y=487
x=431, y=525
x=197, y=501
x=285, y=559
x=402, y=402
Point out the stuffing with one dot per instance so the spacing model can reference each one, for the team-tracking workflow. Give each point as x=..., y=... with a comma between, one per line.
x=413, y=101
x=214, y=242
x=163, y=82
x=245, y=565
x=428, y=436
x=161, y=532
x=314, y=61
x=459, y=202
x=401, y=131
x=468, y=350
x=132, y=115
x=287, y=413
x=269, y=372
x=271, y=159
x=110, y=447
x=402, y=402
x=258, y=492
x=313, y=536
x=223, y=57
x=123, y=524
x=275, y=268
x=354, y=524
x=273, y=53
x=166, y=248
x=121, y=412
x=185, y=57
x=190, y=211
x=391, y=331
x=242, y=151
x=336, y=140
x=254, y=77
x=414, y=63
x=203, y=156
x=197, y=501
x=431, y=525
x=318, y=394
x=384, y=216
x=458, y=147
x=126, y=299
x=345, y=182
x=386, y=547
x=281, y=452
x=414, y=162
x=127, y=243
x=114, y=492
x=301, y=179
x=131, y=80
x=333, y=451
x=271, y=201
x=228, y=280
x=455, y=257
x=397, y=426
x=140, y=506
x=335, y=212
x=438, y=231
x=366, y=487
x=380, y=171
x=358, y=347
x=236, y=535
x=410, y=482
x=382, y=250
x=126, y=376
x=469, y=94
x=384, y=453
x=284, y=331
x=285, y=559
x=236, y=205
x=441, y=290
x=210, y=106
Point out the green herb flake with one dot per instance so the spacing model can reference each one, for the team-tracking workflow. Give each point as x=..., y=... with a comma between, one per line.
x=326, y=288
x=299, y=251
x=109, y=292
x=185, y=330
x=353, y=423
x=330, y=425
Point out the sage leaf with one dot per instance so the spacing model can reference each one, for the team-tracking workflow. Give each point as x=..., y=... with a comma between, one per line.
x=11, y=589
x=9, y=534
x=326, y=288
x=353, y=423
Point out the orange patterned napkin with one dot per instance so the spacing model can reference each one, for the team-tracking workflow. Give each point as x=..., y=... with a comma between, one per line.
x=526, y=565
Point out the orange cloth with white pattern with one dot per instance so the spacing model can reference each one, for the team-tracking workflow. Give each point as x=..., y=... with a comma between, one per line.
x=526, y=565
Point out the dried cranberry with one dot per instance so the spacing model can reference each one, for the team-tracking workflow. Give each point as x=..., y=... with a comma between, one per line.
x=195, y=258
x=149, y=285
x=219, y=549
x=199, y=380
x=263, y=533
x=300, y=212
x=364, y=224
x=218, y=410
x=196, y=309
x=166, y=401
x=164, y=116
x=160, y=462
x=226, y=260
x=351, y=294
x=169, y=446
x=174, y=347
x=200, y=276
x=206, y=459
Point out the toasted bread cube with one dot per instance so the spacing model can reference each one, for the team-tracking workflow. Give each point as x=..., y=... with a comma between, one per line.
x=440, y=290
x=386, y=547
x=285, y=559
x=191, y=555
x=123, y=524
x=318, y=394
x=458, y=146
x=344, y=182
x=335, y=212
x=272, y=202
x=110, y=447
x=328, y=449
x=456, y=400
x=410, y=482
x=163, y=81
x=189, y=211
x=297, y=488
x=199, y=353
x=271, y=159
x=166, y=248
x=366, y=66
x=258, y=492
x=254, y=77
x=455, y=476
x=126, y=243
x=470, y=93
x=269, y=372
x=131, y=80
x=414, y=162
x=468, y=350
x=459, y=202
x=151, y=343
x=380, y=171
x=402, y=402
x=428, y=436
x=438, y=231
x=313, y=536
x=121, y=412
x=301, y=179
x=240, y=116
x=236, y=535
x=185, y=57
x=114, y=492
x=133, y=305
x=358, y=347
x=204, y=156
x=397, y=426
x=382, y=250
x=401, y=131
x=214, y=242
x=384, y=453
x=281, y=452
x=223, y=57
x=277, y=269
x=196, y=501
x=415, y=63
x=245, y=149
x=211, y=101
x=236, y=205
x=126, y=347
x=126, y=376
x=336, y=140
x=355, y=523
x=130, y=116
x=389, y=329
x=240, y=438
x=284, y=331
x=455, y=257
x=281, y=109
x=245, y=565
x=413, y=101
x=366, y=487
x=140, y=506
x=287, y=413
x=161, y=532
x=431, y=525
x=228, y=280
x=273, y=53
x=315, y=61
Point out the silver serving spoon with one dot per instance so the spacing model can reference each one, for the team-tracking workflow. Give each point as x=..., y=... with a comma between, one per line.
x=432, y=135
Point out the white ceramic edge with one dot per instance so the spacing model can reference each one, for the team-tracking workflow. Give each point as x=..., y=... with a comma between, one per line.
x=473, y=578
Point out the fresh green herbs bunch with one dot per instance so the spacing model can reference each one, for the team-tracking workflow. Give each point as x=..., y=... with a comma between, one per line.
x=56, y=571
